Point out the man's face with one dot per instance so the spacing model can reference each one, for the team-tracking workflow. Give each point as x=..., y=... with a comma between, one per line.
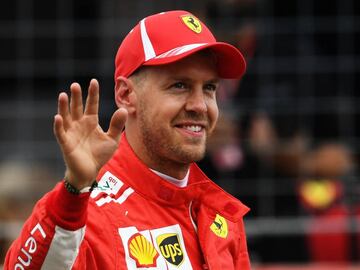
x=177, y=109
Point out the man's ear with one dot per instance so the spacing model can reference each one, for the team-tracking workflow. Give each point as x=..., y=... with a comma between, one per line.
x=125, y=96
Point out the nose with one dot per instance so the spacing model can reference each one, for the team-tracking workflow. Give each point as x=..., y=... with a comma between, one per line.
x=196, y=101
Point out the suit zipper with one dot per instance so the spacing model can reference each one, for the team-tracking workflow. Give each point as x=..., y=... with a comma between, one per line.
x=206, y=265
x=191, y=218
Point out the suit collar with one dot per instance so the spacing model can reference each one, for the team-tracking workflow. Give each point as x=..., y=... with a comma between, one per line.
x=130, y=169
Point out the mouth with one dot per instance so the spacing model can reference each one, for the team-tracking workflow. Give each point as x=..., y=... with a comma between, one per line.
x=193, y=130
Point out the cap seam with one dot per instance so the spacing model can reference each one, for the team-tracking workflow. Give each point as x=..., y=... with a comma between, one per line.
x=149, y=51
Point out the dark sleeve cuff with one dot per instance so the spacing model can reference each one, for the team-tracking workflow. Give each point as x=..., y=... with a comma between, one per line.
x=69, y=211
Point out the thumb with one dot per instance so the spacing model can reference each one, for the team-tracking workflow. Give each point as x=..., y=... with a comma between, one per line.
x=117, y=123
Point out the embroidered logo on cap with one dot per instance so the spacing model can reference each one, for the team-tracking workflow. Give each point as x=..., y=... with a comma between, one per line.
x=219, y=226
x=142, y=251
x=192, y=22
x=170, y=248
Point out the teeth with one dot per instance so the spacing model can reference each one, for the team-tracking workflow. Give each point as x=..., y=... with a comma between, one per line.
x=193, y=128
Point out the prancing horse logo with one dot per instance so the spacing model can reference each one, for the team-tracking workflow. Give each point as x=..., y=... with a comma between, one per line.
x=192, y=22
x=219, y=226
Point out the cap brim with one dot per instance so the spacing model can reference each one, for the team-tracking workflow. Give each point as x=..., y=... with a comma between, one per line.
x=230, y=62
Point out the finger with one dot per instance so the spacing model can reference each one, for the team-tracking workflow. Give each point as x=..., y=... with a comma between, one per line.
x=117, y=123
x=63, y=109
x=76, y=104
x=92, y=100
x=59, y=130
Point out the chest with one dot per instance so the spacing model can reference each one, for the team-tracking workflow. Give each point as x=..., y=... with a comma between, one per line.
x=139, y=233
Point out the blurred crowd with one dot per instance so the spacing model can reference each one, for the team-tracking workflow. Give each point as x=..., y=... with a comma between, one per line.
x=308, y=169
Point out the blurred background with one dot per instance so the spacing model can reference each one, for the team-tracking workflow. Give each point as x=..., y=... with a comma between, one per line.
x=287, y=144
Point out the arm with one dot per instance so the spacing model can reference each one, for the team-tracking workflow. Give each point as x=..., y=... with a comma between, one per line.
x=51, y=237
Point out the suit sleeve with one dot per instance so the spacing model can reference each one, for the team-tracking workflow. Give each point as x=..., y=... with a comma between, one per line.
x=52, y=235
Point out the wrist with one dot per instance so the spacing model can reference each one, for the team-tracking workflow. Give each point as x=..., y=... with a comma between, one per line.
x=76, y=181
x=66, y=210
x=76, y=191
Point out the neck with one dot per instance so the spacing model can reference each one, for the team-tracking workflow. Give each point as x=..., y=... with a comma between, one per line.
x=174, y=170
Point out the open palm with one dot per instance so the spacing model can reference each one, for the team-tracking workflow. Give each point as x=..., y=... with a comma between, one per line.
x=85, y=146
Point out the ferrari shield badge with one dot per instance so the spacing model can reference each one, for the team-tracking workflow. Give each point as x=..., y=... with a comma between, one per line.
x=219, y=226
x=192, y=22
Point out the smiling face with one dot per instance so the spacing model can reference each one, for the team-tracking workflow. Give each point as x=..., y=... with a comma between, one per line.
x=176, y=111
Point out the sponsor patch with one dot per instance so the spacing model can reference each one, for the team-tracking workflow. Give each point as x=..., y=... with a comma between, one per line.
x=219, y=226
x=170, y=248
x=142, y=251
x=108, y=184
x=161, y=248
x=192, y=22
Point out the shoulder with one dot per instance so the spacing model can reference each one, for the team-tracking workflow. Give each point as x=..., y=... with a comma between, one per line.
x=217, y=199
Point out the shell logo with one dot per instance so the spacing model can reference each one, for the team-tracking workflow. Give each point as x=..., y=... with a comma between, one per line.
x=142, y=251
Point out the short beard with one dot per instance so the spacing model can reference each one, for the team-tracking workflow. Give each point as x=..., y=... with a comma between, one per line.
x=158, y=143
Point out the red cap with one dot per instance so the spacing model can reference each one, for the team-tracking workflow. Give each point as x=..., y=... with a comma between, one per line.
x=167, y=37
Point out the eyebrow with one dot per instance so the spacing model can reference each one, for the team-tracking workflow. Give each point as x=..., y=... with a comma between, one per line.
x=187, y=79
x=215, y=81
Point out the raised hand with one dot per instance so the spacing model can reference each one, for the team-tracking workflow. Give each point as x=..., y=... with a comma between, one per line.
x=85, y=146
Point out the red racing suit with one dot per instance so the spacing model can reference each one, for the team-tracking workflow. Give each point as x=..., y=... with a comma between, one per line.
x=134, y=219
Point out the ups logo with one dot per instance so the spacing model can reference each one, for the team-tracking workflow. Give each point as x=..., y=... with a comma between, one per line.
x=170, y=248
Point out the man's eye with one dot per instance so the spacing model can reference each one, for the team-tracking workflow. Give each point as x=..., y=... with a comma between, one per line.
x=179, y=85
x=210, y=87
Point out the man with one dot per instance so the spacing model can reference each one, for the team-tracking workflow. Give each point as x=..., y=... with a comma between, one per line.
x=153, y=207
